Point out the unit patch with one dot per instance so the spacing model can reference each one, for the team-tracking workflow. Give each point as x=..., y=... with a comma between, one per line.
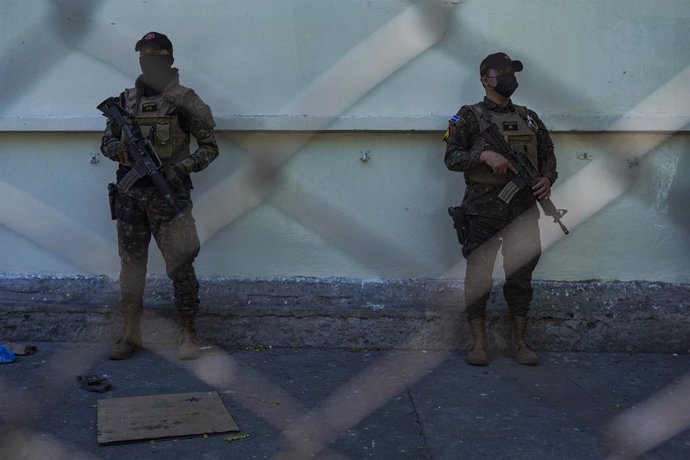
x=510, y=126
x=149, y=107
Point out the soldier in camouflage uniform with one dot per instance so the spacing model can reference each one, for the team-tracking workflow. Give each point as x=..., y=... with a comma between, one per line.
x=485, y=215
x=168, y=114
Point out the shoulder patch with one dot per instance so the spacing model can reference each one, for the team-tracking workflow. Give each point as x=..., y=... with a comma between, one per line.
x=454, y=122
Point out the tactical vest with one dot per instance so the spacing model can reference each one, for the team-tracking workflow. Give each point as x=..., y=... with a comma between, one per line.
x=157, y=118
x=516, y=131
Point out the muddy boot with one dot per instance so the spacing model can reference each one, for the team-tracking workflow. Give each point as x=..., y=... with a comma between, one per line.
x=189, y=349
x=477, y=355
x=131, y=336
x=522, y=352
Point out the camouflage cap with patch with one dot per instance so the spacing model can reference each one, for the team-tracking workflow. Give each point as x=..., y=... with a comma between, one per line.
x=157, y=39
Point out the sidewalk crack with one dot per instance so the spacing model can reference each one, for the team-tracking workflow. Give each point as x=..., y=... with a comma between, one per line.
x=418, y=421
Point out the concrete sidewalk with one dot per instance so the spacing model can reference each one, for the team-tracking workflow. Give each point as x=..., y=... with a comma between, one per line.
x=339, y=404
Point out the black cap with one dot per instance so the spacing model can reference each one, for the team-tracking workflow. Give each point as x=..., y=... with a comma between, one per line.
x=157, y=39
x=498, y=61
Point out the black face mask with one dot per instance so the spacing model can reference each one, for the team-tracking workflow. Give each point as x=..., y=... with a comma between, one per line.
x=506, y=85
x=156, y=69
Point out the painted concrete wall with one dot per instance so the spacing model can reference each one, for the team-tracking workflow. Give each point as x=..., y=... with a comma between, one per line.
x=304, y=88
x=384, y=64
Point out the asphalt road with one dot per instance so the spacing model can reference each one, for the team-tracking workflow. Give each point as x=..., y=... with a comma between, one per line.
x=358, y=404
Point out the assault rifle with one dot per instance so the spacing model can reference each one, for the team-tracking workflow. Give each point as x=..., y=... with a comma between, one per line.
x=525, y=177
x=144, y=159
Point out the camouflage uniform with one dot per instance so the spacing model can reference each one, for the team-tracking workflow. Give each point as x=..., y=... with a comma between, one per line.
x=487, y=215
x=167, y=119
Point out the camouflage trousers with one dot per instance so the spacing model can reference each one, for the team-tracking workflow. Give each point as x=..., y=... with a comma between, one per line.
x=142, y=212
x=520, y=245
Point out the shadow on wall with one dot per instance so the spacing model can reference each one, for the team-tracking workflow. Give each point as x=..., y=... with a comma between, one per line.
x=679, y=192
x=28, y=57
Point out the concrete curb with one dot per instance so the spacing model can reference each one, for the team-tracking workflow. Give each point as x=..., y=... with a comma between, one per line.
x=586, y=316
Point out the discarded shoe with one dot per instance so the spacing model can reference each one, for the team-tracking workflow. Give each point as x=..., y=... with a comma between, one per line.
x=96, y=383
x=20, y=349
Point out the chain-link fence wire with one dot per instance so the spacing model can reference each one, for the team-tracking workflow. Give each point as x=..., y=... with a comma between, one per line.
x=595, y=187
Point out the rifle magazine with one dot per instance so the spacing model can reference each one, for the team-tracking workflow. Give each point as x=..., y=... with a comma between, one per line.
x=128, y=181
x=508, y=192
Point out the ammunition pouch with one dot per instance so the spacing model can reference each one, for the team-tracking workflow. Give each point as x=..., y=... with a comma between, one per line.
x=112, y=199
x=159, y=132
x=457, y=213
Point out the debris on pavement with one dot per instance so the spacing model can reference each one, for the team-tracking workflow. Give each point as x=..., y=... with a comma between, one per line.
x=6, y=355
x=237, y=437
x=96, y=383
x=21, y=349
x=162, y=416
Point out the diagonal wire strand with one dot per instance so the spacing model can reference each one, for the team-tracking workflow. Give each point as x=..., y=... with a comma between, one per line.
x=618, y=186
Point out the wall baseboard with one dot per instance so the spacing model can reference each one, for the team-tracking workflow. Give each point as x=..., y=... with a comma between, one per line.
x=586, y=316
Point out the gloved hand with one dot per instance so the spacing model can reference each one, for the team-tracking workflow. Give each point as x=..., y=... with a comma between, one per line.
x=174, y=175
x=116, y=150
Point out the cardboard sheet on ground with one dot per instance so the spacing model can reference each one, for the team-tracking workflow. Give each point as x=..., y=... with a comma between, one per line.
x=162, y=416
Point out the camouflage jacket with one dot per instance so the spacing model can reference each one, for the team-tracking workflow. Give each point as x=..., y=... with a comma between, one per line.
x=463, y=148
x=189, y=115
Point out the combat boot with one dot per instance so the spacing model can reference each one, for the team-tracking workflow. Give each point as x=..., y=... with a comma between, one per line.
x=130, y=341
x=522, y=352
x=477, y=355
x=189, y=349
